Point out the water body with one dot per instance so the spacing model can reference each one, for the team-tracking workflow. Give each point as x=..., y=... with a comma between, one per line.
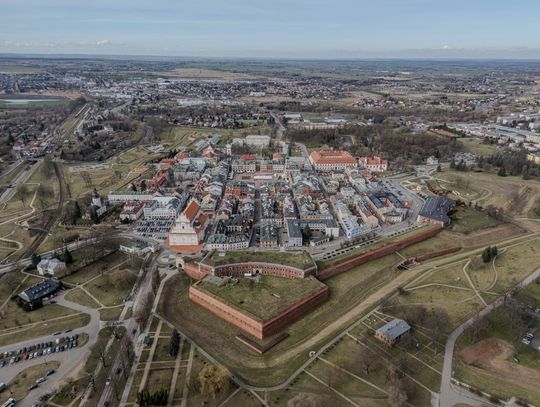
x=26, y=101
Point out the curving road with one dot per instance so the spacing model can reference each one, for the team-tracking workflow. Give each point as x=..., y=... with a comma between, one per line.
x=69, y=360
x=450, y=394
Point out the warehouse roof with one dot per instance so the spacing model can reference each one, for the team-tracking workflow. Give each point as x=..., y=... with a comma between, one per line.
x=39, y=290
x=394, y=329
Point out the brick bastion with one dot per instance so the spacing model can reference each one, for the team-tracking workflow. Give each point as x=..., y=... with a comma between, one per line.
x=258, y=326
x=252, y=263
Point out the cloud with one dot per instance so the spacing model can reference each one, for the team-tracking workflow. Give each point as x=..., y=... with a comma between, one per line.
x=103, y=42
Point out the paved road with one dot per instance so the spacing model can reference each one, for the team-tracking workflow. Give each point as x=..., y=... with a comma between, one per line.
x=450, y=394
x=69, y=360
x=10, y=168
x=132, y=331
x=21, y=179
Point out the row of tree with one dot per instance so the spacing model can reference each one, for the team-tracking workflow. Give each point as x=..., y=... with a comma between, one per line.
x=157, y=398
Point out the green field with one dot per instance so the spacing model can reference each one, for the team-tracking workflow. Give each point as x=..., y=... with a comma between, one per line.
x=476, y=146
x=301, y=260
x=38, y=104
x=468, y=219
x=264, y=299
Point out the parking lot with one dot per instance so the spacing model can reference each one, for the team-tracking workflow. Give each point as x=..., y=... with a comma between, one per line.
x=39, y=349
x=155, y=229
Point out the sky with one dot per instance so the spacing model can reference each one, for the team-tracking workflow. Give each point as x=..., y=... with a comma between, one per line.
x=274, y=28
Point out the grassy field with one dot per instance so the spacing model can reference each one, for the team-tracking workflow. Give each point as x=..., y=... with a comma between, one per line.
x=111, y=288
x=476, y=146
x=110, y=314
x=513, y=194
x=346, y=290
x=43, y=328
x=34, y=104
x=80, y=297
x=265, y=299
x=95, y=269
x=19, y=69
x=505, y=378
x=118, y=174
x=14, y=316
x=468, y=219
x=300, y=260
x=515, y=263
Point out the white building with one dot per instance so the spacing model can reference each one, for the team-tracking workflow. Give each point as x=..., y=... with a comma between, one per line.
x=187, y=235
x=52, y=267
x=138, y=247
x=161, y=207
x=258, y=141
x=124, y=196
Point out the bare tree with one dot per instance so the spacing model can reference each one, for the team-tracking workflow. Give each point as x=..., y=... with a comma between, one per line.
x=22, y=193
x=367, y=360
x=398, y=395
x=213, y=380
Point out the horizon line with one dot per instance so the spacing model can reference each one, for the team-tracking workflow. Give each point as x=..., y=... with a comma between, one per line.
x=278, y=58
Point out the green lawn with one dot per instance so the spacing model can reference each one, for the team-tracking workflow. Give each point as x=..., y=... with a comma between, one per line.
x=110, y=314
x=111, y=288
x=44, y=328
x=79, y=296
x=265, y=299
x=467, y=219
x=301, y=260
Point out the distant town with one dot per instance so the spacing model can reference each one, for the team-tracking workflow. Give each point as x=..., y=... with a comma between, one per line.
x=294, y=233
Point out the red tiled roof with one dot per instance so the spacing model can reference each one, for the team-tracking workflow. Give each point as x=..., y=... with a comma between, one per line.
x=332, y=157
x=191, y=210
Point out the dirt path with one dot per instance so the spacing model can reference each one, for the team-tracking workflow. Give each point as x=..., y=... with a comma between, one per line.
x=356, y=311
x=490, y=356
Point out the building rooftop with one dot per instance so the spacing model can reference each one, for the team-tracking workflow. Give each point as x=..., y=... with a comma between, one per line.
x=437, y=208
x=332, y=157
x=394, y=329
x=39, y=290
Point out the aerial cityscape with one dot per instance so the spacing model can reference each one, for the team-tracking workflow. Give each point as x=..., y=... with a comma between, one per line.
x=325, y=223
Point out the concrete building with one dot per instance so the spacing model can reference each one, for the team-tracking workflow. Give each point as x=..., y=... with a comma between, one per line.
x=124, y=196
x=294, y=233
x=132, y=211
x=138, y=247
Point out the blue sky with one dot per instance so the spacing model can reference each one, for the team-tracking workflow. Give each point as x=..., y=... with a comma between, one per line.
x=274, y=28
